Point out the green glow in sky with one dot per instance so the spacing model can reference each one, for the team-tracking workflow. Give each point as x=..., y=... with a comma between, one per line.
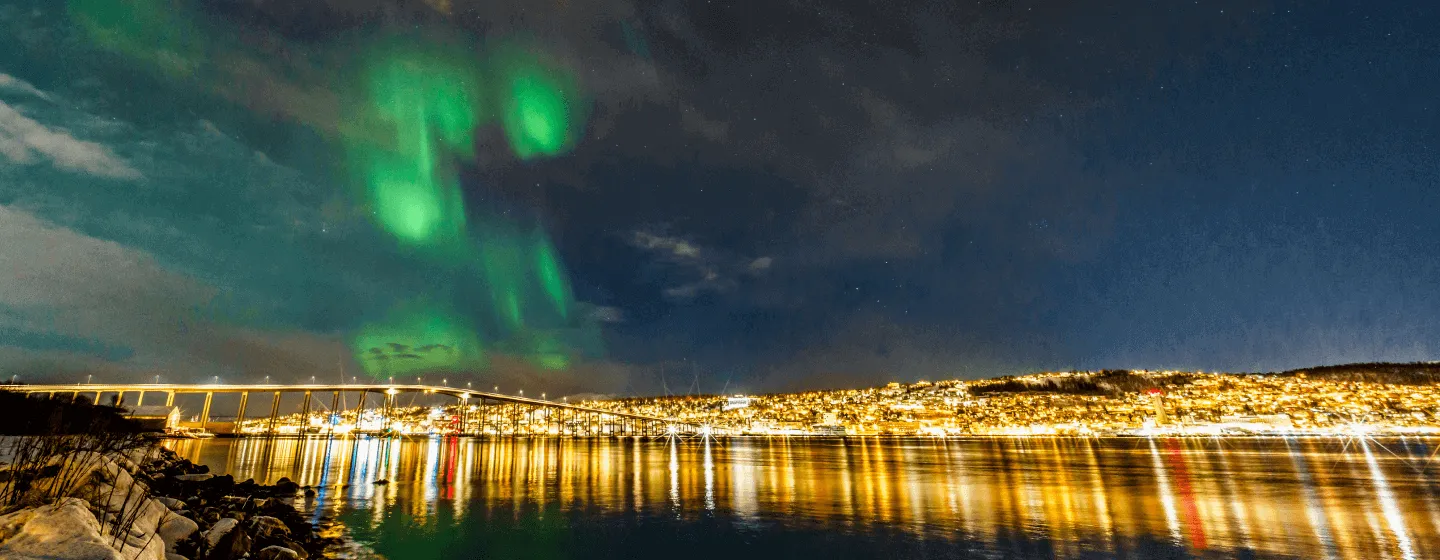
x=418, y=337
x=541, y=108
x=412, y=108
x=429, y=106
x=155, y=31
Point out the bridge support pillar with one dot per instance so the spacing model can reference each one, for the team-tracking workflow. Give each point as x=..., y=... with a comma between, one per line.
x=305, y=414
x=389, y=403
x=334, y=413
x=205, y=410
x=274, y=412
x=464, y=414
x=360, y=406
x=170, y=398
x=240, y=412
x=139, y=399
x=120, y=398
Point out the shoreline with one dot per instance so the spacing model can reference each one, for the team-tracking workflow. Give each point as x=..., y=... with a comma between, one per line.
x=146, y=502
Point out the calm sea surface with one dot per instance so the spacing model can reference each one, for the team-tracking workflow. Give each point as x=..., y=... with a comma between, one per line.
x=743, y=499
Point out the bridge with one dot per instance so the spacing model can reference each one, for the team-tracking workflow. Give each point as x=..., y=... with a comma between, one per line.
x=481, y=413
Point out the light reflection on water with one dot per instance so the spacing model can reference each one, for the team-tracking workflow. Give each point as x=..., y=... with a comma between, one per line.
x=970, y=498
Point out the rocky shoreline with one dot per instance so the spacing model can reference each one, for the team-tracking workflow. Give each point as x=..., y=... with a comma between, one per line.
x=151, y=504
x=235, y=519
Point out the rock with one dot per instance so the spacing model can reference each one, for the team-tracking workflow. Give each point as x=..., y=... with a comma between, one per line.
x=197, y=477
x=236, y=515
x=295, y=546
x=173, y=556
x=65, y=529
x=233, y=545
x=277, y=552
x=219, y=529
x=171, y=503
x=265, y=526
x=286, y=486
x=175, y=529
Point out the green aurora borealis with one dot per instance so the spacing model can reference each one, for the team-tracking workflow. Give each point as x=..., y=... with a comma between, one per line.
x=433, y=104
x=414, y=107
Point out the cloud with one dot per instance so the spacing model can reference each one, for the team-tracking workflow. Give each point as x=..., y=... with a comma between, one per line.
x=24, y=140
x=698, y=270
x=667, y=246
x=57, y=282
x=11, y=83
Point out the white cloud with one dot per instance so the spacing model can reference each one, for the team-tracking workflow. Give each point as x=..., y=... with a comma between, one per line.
x=674, y=246
x=24, y=140
x=11, y=83
x=762, y=263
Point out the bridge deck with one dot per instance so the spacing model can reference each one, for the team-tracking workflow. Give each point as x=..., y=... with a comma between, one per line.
x=388, y=389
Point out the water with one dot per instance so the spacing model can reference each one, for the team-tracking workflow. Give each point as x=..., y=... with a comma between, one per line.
x=742, y=499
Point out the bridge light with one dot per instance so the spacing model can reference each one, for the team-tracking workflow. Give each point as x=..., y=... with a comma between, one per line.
x=157, y=380
x=542, y=396
x=522, y=392
x=392, y=380
x=89, y=378
x=391, y=391
x=312, y=380
x=217, y=380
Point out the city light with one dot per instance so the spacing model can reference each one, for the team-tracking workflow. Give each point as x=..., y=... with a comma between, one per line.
x=1090, y=404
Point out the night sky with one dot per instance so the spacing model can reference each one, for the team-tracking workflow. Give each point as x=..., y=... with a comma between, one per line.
x=640, y=197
